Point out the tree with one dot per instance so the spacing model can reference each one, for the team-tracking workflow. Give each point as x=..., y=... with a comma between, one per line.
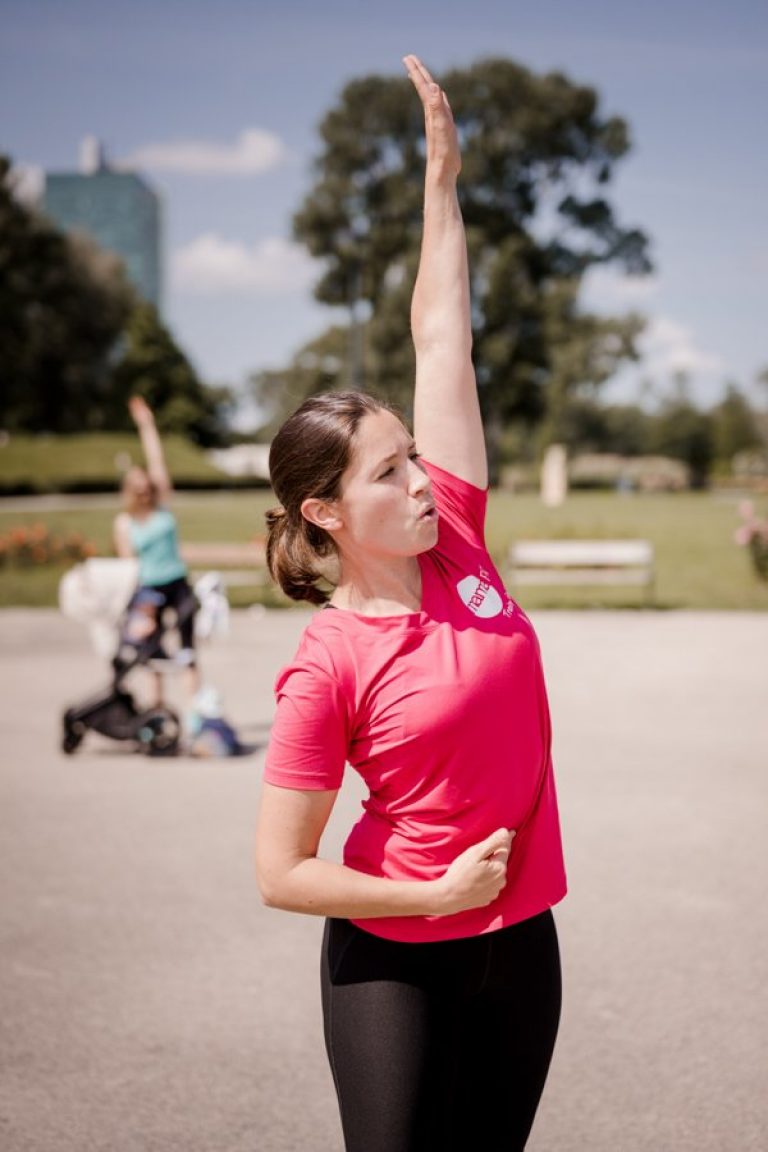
x=762, y=415
x=628, y=429
x=63, y=303
x=684, y=432
x=762, y=379
x=584, y=352
x=75, y=341
x=734, y=426
x=152, y=365
x=319, y=366
x=537, y=155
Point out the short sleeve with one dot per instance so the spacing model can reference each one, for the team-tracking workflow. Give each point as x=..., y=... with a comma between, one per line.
x=309, y=738
x=459, y=503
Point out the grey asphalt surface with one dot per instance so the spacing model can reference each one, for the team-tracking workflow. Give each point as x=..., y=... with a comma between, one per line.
x=149, y=1002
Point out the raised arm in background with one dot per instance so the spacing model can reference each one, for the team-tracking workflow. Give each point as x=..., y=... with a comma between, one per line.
x=143, y=488
x=152, y=447
x=447, y=423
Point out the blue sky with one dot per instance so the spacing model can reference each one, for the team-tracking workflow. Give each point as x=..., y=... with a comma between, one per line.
x=218, y=104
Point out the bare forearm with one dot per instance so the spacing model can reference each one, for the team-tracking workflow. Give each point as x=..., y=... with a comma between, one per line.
x=446, y=411
x=319, y=887
x=440, y=310
x=323, y=888
x=154, y=455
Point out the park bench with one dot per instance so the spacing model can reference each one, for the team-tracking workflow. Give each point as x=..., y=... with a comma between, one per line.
x=583, y=562
x=238, y=565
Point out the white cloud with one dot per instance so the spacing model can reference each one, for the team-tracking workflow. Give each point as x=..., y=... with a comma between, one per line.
x=668, y=347
x=254, y=150
x=28, y=182
x=604, y=289
x=211, y=265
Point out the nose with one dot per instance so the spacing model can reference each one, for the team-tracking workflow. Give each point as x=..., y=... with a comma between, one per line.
x=418, y=481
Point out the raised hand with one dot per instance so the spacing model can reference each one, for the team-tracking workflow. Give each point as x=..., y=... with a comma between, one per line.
x=443, y=154
x=140, y=411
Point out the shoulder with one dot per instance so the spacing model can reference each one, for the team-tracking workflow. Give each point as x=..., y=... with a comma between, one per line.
x=324, y=651
x=461, y=505
x=316, y=699
x=342, y=654
x=122, y=535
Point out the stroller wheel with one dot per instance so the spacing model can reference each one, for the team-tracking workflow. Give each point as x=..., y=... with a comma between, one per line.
x=159, y=732
x=73, y=735
x=70, y=742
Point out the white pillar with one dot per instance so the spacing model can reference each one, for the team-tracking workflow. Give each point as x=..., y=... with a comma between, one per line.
x=554, y=476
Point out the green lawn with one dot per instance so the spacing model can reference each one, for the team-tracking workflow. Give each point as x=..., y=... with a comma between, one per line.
x=92, y=461
x=698, y=563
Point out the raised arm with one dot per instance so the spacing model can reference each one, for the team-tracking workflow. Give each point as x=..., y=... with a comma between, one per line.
x=447, y=422
x=151, y=446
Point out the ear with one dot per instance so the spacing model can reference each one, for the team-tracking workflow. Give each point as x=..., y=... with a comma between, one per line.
x=323, y=513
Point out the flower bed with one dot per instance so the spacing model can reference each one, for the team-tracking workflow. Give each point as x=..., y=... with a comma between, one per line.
x=31, y=545
x=752, y=533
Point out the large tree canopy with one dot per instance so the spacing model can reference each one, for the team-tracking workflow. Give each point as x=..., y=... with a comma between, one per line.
x=76, y=342
x=63, y=303
x=537, y=156
x=150, y=364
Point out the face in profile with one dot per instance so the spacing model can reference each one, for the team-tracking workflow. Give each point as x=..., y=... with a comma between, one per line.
x=386, y=505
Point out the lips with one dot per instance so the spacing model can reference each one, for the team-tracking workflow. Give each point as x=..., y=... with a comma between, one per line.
x=428, y=512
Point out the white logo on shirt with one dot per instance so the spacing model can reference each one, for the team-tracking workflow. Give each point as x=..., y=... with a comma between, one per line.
x=480, y=596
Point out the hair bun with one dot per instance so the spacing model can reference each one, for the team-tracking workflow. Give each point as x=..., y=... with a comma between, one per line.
x=275, y=516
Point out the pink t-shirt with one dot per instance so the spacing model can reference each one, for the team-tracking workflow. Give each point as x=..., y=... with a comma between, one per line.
x=444, y=714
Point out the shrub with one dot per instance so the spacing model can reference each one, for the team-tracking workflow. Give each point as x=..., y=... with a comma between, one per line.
x=640, y=473
x=32, y=545
x=753, y=534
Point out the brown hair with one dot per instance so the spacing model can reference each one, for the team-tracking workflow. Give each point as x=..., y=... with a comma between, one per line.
x=307, y=459
x=128, y=491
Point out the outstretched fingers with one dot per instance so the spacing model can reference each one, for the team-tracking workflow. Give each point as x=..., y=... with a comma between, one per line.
x=422, y=80
x=442, y=141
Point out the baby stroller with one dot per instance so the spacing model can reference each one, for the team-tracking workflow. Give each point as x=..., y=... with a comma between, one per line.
x=101, y=593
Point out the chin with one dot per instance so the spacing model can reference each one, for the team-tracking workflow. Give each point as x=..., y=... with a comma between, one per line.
x=428, y=538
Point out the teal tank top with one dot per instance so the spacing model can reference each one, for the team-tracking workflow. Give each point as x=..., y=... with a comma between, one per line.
x=156, y=545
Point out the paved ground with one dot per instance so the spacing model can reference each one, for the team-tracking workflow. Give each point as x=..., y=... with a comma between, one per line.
x=148, y=1002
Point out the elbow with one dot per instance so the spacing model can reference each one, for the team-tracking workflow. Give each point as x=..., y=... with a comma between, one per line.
x=284, y=883
x=267, y=888
x=441, y=335
x=273, y=886
x=270, y=896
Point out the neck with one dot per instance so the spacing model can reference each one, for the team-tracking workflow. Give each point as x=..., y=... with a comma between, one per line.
x=143, y=512
x=384, y=588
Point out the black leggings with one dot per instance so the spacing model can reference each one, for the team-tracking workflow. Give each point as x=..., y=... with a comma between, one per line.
x=441, y=1047
x=179, y=596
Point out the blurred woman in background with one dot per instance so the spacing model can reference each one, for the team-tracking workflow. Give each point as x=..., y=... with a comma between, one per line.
x=147, y=530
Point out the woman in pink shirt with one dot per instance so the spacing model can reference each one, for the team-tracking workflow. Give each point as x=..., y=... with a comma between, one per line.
x=440, y=967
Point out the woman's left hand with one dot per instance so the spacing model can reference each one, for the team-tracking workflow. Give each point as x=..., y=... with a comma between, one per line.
x=443, y=152
x=140, y=411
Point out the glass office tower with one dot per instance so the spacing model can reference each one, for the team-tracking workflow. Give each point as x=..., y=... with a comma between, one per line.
x=117, y=209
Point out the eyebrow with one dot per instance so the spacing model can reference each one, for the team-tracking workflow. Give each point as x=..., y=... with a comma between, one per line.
x=410, y=445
